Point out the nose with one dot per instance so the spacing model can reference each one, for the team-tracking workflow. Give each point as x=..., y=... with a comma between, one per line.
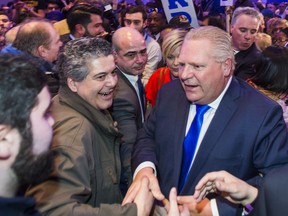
x=101, y=29
x=184, y=72
x=112, y=80
x=175, y=62
x=248, y=35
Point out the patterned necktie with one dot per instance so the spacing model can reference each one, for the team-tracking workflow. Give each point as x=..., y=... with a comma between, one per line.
x=190, y=143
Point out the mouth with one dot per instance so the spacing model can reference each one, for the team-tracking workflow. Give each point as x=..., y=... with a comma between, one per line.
x=107, y=94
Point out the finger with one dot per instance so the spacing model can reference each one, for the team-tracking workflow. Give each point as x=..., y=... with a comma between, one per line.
x=173, y=208
x=155, y=189
x=131, y=193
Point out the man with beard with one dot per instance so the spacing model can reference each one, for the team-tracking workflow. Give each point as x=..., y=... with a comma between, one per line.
x=25, y=132
x=86, y=141
x=83, y=20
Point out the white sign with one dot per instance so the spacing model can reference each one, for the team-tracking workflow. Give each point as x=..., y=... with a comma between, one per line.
x=226, y=2
x=180, y=7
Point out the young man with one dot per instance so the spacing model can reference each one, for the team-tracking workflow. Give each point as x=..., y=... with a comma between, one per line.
x=25, y=132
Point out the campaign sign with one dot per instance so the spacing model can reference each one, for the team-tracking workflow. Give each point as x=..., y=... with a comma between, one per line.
x=180, y=7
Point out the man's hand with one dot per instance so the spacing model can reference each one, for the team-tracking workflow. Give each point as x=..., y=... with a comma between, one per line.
x=172, y=206
x=144, y=198
x=136, y=185
x=228, y=186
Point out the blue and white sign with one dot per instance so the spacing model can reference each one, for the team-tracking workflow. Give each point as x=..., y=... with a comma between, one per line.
x=180, y=7
x=226, y=2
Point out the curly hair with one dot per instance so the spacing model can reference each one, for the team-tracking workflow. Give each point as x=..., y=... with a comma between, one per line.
x=74, y=61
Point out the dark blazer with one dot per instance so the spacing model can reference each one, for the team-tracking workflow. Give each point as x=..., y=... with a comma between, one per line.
x=245, y=62
x=272, y=198
x=246, y=136
x=65, y=38
x=126, y=111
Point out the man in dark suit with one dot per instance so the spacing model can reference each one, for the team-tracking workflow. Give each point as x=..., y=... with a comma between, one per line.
x=245, y=24
x=128, y=107
x=243, y=132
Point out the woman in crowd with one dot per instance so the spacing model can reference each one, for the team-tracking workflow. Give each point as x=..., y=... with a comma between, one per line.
x=170, y=49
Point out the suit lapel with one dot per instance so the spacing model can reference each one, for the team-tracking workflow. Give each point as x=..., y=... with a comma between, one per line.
x=224, y=113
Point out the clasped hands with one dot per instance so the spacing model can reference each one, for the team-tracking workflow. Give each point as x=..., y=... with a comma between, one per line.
x=181, y=205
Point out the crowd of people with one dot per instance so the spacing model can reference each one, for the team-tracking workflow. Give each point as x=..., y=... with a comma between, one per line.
x=108, y=108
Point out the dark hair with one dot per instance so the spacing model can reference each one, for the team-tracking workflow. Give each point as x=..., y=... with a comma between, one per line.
x=81, y=14
x=271, y=71
x=21, y=81
x=33, y=34
x=74, y=61
x=135, y=9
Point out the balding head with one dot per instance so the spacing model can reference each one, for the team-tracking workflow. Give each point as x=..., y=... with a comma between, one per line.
x=38, y=38
x=129, y=50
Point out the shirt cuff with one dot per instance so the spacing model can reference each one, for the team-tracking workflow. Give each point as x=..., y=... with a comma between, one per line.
x=144, y=165
x=214, y=207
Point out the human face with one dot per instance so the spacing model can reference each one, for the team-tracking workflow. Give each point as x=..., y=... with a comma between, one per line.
x=99, y=85
x=54, y=47
x=271, y=7
x=172, y=62
x=202, y=78
x=41, y=123
x=280, y=39
x=135, y=20
x=5, y=23
x=95, y=27
x=52, y=7
x=132, y=56
x=155, y=22
x=244, y=31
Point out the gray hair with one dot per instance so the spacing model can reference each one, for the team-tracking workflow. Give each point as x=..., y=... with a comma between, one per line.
x=74, y=61
x=247, y=11
x=221, y=42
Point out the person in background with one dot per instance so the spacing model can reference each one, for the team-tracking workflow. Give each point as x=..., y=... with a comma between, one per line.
x=244, y=27
x=271, y=77
x=25, y=132
x=83, y=21
x=171, y=48
x=128, y=108
x=263, y=41
x=136, y=17
x=156, y=22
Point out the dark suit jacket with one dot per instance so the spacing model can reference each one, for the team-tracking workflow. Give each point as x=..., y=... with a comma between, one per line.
x=272, y=198
x=126, y=111
x=246, y=136
x=65, y=38
x=245, y=62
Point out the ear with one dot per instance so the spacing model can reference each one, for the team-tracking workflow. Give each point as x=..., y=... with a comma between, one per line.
x=145, y=24
x=42, y=52
x=79, y=30
x=10, y=140
x=115, y=56
x=227, y=67
x=72, y=85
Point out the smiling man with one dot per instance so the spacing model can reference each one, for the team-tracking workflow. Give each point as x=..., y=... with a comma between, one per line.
x=242, y=131
x=86, y=141
x=244, y=27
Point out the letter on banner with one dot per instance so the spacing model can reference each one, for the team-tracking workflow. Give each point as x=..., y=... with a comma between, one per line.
x=226, y=2
x=180, y=7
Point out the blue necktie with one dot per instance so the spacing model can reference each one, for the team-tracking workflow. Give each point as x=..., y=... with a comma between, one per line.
x=190, y=143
